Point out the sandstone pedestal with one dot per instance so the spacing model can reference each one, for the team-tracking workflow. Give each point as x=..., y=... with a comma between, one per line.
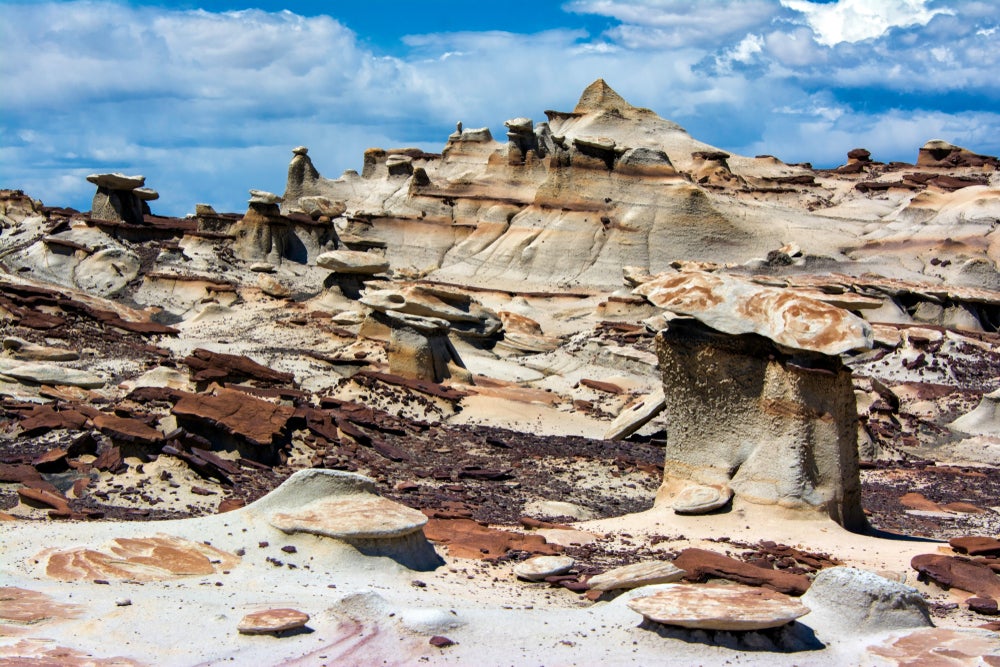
x=776, y=428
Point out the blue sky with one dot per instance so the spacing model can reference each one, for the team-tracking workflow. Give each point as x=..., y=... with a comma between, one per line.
x=207, y=98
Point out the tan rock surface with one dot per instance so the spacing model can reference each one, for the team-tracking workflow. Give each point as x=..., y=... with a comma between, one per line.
x=353, y=517
x=139, y=559
x=738, y=306
x=272, y=621
x=636, y=575
x=718, y=607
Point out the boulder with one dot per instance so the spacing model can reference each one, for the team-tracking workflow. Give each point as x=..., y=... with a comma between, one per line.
x=353, y=262
x=718, y=607
x=737, y=306
x=848, y=600
x=776, y=429
x=638, y=574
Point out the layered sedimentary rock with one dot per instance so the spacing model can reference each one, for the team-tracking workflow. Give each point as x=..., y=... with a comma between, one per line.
x=776, y=428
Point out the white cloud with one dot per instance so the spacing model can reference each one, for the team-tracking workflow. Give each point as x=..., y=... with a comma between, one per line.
x=207, y=105
x=856, y=20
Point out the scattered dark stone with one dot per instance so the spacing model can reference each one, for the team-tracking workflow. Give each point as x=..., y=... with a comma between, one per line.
x=440, y=641
x=985, y=606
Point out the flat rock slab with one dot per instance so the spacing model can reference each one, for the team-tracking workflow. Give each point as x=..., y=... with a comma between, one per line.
x=635, y=416
x=539, y=567
x=20, y=606
x=958, y=572
x=737, y=306
x=702, y=499
x=702, y=563
x=719, y=607
x=466, y=538
x=258, y=421
x=941, y=646
x=272, y=621
x=352, y=261
x=117, y=181
x=137, y=559
x=351, y=517
x=636, y=575
x=42, y=373
x=976, y=546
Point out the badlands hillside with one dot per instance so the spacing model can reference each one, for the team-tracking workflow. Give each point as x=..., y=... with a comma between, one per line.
x=594, y=393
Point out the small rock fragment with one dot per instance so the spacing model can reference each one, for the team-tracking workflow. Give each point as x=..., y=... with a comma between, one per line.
x=272, y=621
x=540, y=567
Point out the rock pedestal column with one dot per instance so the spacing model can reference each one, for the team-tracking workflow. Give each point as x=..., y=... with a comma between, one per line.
x=776, y=429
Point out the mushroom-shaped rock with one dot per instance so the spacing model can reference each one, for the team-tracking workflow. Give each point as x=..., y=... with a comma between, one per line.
x=849, y=600
x=264, y=197
x=539, y=567
x=272, y=621
x=466, y=316
x=117, y=198
x=317, y=206
x=419, y=347
x=636, y=575
x=701, y=498
x=737, y=306
x=117, y=181
x=776, y=428
x=342, y=506
x=718, y=607
x=353, y=261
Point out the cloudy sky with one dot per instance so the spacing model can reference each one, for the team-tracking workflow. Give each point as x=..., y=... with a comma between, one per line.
x=207, y=98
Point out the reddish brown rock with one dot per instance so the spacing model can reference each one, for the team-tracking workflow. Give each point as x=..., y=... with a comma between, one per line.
x=25, y=607
x=230, y=504
x=986, y=606
x=139, y=559
x=54, y=460
x=219, y=367
x=917, y=501
x=701, y=564
x=441, y=641
x=257, y=421
x=272, y=621
x=126, y=429
x=41, y=498
x=976, y=546
x=466, y=538
x=954, y=571
x=16, y=472
x=110, y=459
x=45, y=418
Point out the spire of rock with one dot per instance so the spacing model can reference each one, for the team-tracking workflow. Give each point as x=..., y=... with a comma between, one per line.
x=599, y=96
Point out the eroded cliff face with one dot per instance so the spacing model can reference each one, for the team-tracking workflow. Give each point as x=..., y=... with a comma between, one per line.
x=777, y=429
x=572, y=199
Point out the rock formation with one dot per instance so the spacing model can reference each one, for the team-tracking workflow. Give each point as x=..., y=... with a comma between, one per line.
x=121, y=198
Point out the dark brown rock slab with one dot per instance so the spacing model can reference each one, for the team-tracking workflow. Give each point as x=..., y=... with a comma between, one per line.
x=257, y=421
x=701, y=564
x=958, y=572
x=976, y=545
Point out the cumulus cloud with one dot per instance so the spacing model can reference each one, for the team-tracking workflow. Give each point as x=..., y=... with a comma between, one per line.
x=856, y=20
x=208, y=104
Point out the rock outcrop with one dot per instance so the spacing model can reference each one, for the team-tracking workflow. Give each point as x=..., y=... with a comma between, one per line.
x=120, y=198
x=776, y=428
